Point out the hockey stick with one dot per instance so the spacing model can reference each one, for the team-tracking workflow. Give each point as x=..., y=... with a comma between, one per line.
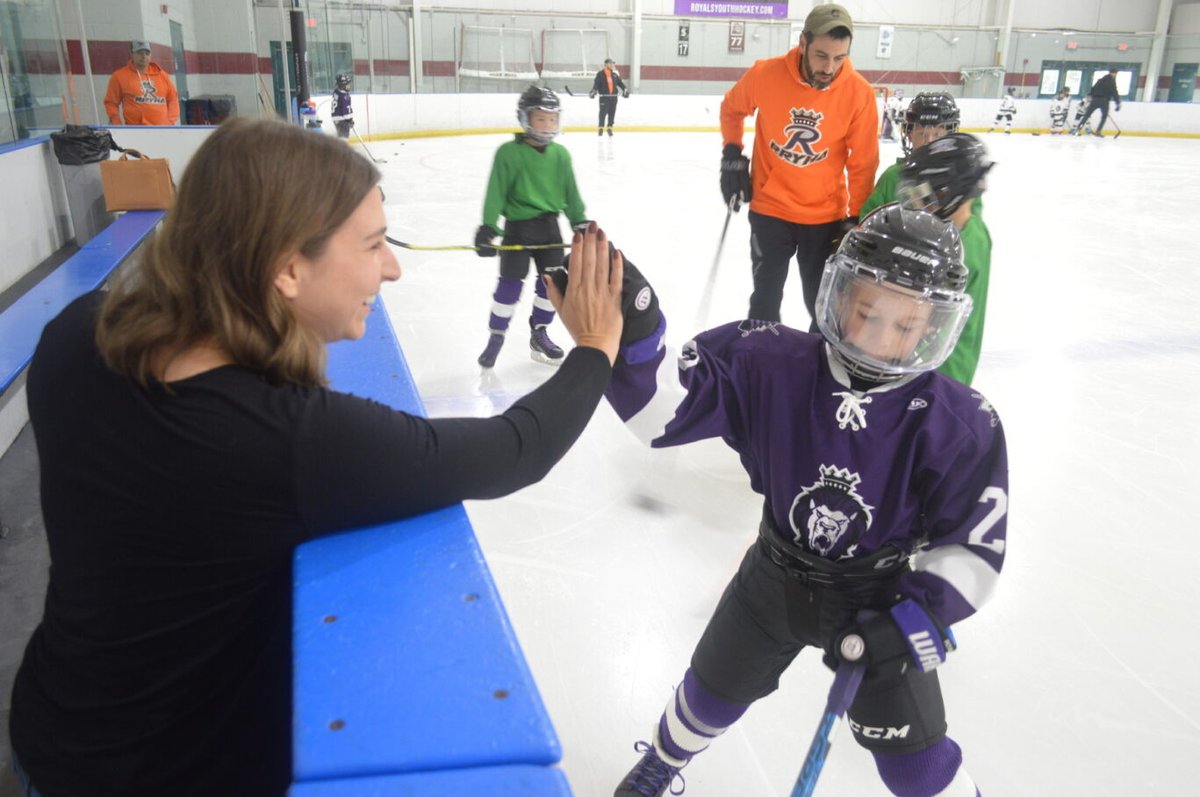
x=845, y=685
x=498, y=247
x=1112, y=117
x=567, y=89
x=365, y=148
x=706, y=298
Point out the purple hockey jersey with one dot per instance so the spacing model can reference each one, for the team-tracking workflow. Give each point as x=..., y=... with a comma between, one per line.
x=341, y=106
x=919, y=463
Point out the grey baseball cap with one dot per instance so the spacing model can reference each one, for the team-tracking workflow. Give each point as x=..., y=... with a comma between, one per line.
x=139, y=44
x=824, y=18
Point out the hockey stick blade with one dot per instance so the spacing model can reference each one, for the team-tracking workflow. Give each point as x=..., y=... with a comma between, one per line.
x=366, y=149
x=466, y=248
x=846, y=681
x=567, y=89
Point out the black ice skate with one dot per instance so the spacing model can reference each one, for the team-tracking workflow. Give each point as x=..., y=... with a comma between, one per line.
x=542, y=349
x=650, y=777
x=488, y=358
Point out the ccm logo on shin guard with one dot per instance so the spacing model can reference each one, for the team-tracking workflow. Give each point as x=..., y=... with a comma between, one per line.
x=868, y=732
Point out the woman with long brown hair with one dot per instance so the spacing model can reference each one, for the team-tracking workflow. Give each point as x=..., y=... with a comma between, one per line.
x=188, y=443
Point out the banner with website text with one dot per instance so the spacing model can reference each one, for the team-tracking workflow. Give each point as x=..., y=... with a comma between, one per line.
x=724, y=8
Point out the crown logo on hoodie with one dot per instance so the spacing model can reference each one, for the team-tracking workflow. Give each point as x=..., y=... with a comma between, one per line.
x=806, y=117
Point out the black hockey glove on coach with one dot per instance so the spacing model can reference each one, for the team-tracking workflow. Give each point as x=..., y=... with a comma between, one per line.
x=483, y=240
x=735, y=176
x=906, y=635
x=639, y=302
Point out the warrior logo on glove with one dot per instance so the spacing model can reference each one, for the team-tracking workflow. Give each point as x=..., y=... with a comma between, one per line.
x=830, y=514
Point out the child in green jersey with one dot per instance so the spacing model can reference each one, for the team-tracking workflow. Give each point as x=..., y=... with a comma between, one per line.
x=531, y=183
x=928, y=117
x=946, y=177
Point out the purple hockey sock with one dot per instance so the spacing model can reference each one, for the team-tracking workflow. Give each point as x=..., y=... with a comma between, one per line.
x=504, y=301
x=694, y=717
x=543, y=310
x=933, y=772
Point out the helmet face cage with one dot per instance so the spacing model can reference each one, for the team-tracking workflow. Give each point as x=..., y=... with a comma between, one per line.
x=893, y=299
x=533, y=99
x=928, y=109
x=343, y=81
x=881, y=331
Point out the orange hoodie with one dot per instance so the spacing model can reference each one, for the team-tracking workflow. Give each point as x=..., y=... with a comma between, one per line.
x=145, y=98
x=807, y=141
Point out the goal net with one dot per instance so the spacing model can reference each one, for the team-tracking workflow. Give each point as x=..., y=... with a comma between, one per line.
x=496, y=53
x=982, y=81
x=573, y=54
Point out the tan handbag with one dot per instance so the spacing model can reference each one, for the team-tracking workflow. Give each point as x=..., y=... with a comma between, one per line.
x=137, y=183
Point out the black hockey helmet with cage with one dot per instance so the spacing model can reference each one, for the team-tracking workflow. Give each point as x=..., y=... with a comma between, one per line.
x=943, y=174
x=343, y=81
x=929, y=109
x=538, y=98
x=909, y=261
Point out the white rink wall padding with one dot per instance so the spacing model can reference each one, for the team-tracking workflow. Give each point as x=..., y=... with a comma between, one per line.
x=381, y=116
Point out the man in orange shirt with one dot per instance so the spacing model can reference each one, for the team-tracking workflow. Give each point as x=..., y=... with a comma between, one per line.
x=141, y=91
x=815, y=155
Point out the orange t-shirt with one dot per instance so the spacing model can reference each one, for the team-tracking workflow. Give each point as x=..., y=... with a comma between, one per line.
x=809, y=144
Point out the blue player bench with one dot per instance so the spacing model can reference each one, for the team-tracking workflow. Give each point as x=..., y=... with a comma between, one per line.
x=408, y=677
x=22, y=322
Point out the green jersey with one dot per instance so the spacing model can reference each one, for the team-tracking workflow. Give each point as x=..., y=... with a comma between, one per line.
x=977, y=253
x=527, y=182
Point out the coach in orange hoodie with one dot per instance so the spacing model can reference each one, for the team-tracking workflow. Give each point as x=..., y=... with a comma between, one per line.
x=141, y=91
x=816, y=149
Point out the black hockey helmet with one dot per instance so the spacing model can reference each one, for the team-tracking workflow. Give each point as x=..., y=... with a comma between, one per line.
x=343, y=81
x=943, y=174
x=893, y=299
x=538, y=98
x=928, y=109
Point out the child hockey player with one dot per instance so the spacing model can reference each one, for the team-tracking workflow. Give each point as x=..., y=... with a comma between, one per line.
x=531, y=183
x=945, y=178
x=1058, y=112
x=1078, y=124
x=929, y=116
x=1008, y=107
x=893, y=113
x=885, y=489
x=343, y=115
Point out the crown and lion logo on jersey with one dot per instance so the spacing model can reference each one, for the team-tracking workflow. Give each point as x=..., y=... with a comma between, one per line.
x=802, y=133
x=830, y=514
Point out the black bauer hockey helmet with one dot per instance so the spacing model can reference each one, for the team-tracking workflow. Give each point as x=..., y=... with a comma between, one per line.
x=928, y=109
x=538, y=98
x=343, y=81
x=943, y=174
x=893, y=299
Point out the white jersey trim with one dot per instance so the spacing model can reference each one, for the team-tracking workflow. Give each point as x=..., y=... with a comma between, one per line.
x=959, y=567
x=650, y=422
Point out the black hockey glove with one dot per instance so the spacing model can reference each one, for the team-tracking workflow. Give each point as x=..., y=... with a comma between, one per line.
x=735, y=176
x=483, y=241
x=904, y=636
x=592, y=94
x=625, y=94
x=639, y=302
x=350, y=121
